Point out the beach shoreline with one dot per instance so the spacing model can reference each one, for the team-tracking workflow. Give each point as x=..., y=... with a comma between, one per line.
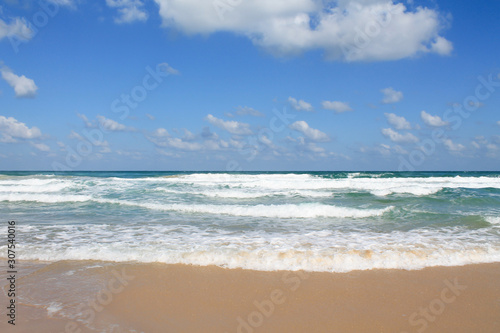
x=155, y=297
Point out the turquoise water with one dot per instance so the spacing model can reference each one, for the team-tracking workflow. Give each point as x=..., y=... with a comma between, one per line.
x=318, y=221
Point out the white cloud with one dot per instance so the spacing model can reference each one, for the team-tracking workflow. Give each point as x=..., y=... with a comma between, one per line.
x=430, y=120
x=11, y=129
x=299, y=105
x=481, y=139
x=188, y=135
x=74, y=135
x=311, y=133
x=391, y=96
x=151, y=117
x=111, y=125
x=236, y=144
x=187, y=144
x=168, y=69
x=40, y=146
x=498, y=123
x=129, y=10
x=492, y=146
x=365, y=30
x=231, y=126
x=18, y=28
x=248, y=111
x=451, y=146
x=398, y=122
x=400, y=150
x=86, y=121
x=398, y=137
x=182, y=145
x=69, y=3
x=384, y=150
x=313, y=148
x=105, y=149
x=336, y=106
x=441, y=46
x=161, y=132
x=23, y=87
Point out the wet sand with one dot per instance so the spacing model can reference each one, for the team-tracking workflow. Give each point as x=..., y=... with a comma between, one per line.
x=131, y=297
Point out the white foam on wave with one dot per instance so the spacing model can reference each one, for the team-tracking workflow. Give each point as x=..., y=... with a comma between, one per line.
x=253, y=195
x=248, y=186
x=306, y=210
x=493, y=220
x=322, y=250
x=377, y=186
x=41, y=188
x=43, y=198
x=26, y=181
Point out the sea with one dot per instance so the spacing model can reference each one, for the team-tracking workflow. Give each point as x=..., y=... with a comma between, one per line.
x=312, y=221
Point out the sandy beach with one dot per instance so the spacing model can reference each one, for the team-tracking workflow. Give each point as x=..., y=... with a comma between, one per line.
x=177, y=298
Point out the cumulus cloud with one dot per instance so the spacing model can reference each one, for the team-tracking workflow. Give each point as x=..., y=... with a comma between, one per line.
x=299, y=105
x=74, y=135
x=398, y=122
x=40, y=146
x=398, y=137
x=180, y=144
x=111, y=125
x=311, y=133
x=441, y=46
x=454, y=147
x=391, y=96
x=189, y=141
x=161, y=132
x=336, y=106
x=23, y=87
x=18, y=28
x=368, y=30
x=430, y=120
x=11, y=130
x=105, y=149
x=233, y=127
x=129, y=10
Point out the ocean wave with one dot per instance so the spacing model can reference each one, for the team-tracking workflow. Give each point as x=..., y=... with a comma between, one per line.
x=246, y=186
x=325, y=250
x=44, y=198
x=39, y=188
x=304, y=210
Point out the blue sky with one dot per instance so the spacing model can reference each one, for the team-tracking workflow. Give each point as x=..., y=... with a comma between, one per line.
x=249, y=85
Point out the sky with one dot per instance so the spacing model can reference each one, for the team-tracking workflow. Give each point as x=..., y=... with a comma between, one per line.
x=243, y=85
